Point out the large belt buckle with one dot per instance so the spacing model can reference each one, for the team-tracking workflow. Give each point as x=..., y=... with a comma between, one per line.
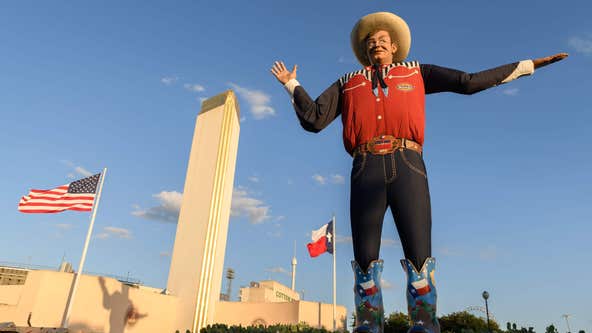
x=382, y=145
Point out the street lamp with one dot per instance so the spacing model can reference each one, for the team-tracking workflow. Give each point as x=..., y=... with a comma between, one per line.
x=485, y=297
x=567, y=321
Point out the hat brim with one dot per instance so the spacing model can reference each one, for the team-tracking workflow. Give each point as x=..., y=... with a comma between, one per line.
x=396, y=26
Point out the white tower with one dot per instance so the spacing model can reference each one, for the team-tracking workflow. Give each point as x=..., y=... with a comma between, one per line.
x=294, y=262
x=197, y=262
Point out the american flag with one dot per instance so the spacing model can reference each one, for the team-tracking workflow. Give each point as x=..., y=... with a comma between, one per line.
x=78, y=195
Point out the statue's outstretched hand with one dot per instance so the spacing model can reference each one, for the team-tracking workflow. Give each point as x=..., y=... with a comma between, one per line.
x=540, y=62
x=281, y=73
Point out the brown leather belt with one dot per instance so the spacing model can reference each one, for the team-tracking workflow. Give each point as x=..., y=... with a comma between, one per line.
x=386, y=144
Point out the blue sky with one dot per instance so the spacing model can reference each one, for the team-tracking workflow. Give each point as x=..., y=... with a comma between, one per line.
x=115, y=85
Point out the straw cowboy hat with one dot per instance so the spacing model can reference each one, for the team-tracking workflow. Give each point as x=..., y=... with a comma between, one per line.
x=393, y=24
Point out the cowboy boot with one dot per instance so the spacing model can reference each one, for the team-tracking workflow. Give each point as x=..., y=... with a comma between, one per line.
x=368, y=298
x=421, y=297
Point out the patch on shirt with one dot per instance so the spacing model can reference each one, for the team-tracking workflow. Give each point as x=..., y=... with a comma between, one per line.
x=405, y=86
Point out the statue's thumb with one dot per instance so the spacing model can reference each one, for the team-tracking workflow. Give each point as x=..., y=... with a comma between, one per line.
x=295, y=69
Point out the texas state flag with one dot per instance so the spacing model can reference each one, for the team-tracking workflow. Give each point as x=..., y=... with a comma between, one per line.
x=367, y=288
x=420, y=287
x=322, y=240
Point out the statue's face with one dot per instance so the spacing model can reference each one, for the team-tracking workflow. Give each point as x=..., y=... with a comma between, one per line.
x=379, y=48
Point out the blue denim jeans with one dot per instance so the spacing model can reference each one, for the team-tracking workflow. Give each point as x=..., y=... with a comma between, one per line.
x=397, y=180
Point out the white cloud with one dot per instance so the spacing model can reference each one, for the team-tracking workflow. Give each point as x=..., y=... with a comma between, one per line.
x=333, y=179
x=64, y=226
x=119, y=232
x=337, y=179
x=169, y=80
x=448, y=252
x=388, y=242
x=167, y=210
x=103, y=235
x=319, y=179
x=77, y=170
x=511, y=91
x=280, y=270
x=258, y=101
x=114, y=232
x=254, y=179
x=194, y=87
x=245, y=205
x=385, y=284
x=82, y=171
x=343, y=239
x=581, y=45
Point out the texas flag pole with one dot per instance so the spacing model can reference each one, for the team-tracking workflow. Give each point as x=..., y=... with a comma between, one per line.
x=334, y=273
x=323, y=240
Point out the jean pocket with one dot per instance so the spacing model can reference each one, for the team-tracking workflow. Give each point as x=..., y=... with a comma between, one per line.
x=358, y=166
x=414, y=161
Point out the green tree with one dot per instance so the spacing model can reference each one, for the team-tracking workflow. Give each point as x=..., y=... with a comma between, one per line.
x=513, y=328
x=551, y=329
x=464, y=322
x=396, y=322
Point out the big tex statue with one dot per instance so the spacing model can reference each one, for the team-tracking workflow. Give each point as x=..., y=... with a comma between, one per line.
x=382, y=110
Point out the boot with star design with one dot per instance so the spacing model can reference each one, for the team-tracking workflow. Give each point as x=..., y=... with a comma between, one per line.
x=421, y=296
x=368, y=298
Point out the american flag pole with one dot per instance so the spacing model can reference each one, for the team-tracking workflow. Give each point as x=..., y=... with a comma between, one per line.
x=66, y=316
x=334, y=240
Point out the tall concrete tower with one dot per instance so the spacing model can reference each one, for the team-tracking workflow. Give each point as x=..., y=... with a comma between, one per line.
x=294, y=273
x=294, y=262
x=195, y=275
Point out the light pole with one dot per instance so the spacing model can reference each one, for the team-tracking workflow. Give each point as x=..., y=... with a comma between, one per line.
x=230, y=277
x=567, y=321
x=485, y=297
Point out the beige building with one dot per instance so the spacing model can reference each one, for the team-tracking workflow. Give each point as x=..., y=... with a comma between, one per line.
x=269, y=302
x=12, y=275
x=102, y=303
x=268, y=291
